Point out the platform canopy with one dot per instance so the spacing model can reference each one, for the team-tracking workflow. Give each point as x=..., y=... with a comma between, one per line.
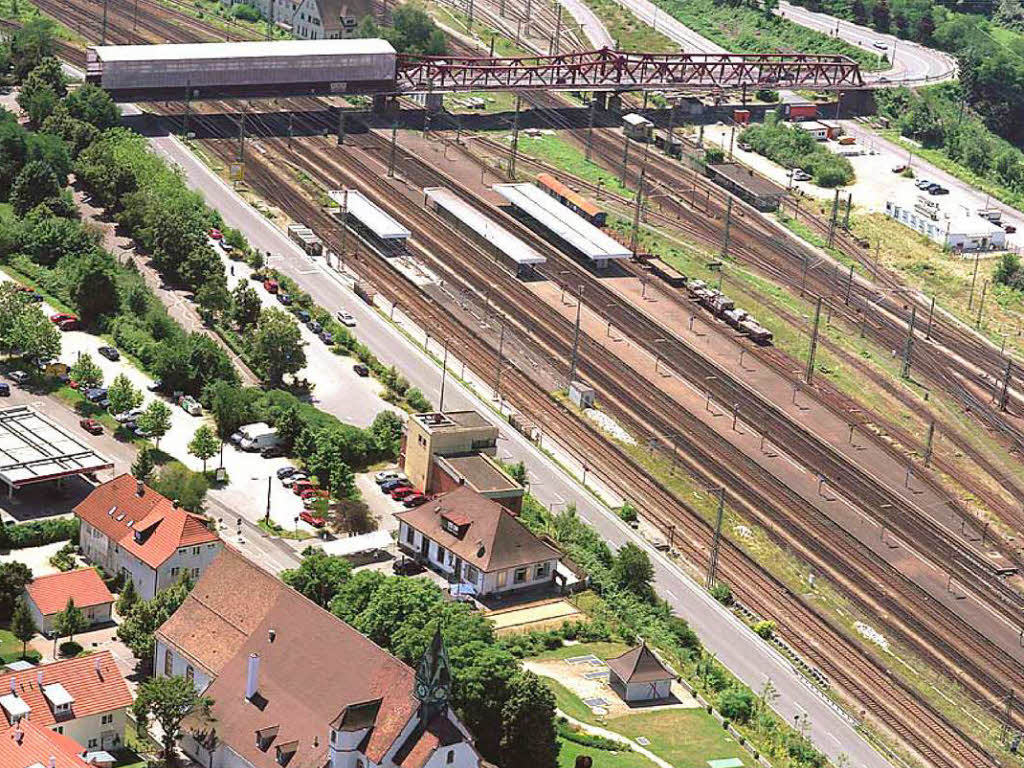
x=381, y=224
x=493, y=233
x=34, y=449
x=563, y=222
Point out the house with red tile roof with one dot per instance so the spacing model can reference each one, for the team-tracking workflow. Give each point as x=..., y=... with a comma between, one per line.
x=85, y=699
x=294, y=686
x=46, y=596
x=128, y=528
x=26, y=744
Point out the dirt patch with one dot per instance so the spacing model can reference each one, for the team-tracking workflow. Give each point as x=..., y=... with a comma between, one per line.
x=534, y=616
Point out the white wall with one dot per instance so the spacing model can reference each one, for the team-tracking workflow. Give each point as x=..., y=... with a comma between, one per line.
x=92, y=728
x=464, y=757
x=143, y=576
x=97, y=548
x=179, y=666
x=195, y=560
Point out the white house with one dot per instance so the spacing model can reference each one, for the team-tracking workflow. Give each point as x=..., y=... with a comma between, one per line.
x=313, y=19
x=128, y=528
x=46, y=596
x=639, y=675
x=959, y=233
x=293, y=684
x=476, y=543
x=85, y=699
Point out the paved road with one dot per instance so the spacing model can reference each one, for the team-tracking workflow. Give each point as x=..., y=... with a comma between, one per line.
x=655, y=17
x=749, y=658
x=593, y=29
x=911, y=63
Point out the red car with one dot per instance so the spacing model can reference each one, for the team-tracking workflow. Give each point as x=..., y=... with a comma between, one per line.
x=401, y=492
x=302, y=485
x=60, y=317
x=71, y=324
x=415, y=500
x=215, y=234
x=314, y=493
x=315, y=520
x=91, y=426
x=270, y=285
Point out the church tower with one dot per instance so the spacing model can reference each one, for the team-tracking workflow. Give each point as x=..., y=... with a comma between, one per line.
x=433, y=680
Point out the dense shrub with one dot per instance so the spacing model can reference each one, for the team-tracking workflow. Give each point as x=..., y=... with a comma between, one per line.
x=36, y=533
x=794, y=147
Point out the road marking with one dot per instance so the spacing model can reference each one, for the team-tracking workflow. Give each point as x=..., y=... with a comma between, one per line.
x=671, y=594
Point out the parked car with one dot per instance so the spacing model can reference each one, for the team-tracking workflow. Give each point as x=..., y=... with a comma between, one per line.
x=361, y=370
x=226, y=246
x=273, y=452
x=91, y=426
x=36, y=297
x=881, y=45
x=314, y=326
x=289, y=481
x=60, y=317
x=327, y=337
x=216, y=234
x=923, y=183
x=45, y=363
x=302, y=485
x=284, y=472
x=384, y=475
x=271, y=286
x=5, y=389
x=236, y=437
x=110, y=353
x=190, y=405
x=285, y=298
x=71, y=324
x=799, y=175
x=899, y=168
x=406, y=566
x=302, y=314
x=140, y=432
x=313, y=492
x=345, y=318
x=18, y=377
x=131, y=415
x=390, y=485
x=414, y=500
x=155, y=386
x=315, y=520
x=1009, y=229
x=95, y=394
x=401, y=492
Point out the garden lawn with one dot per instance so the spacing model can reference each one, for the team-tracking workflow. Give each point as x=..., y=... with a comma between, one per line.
x=569, y=703
x=601, y=650
x=569, y=751
x=10, y=648
x=683, y=737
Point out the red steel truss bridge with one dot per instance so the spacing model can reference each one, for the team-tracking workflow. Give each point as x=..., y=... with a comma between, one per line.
x=610, y=70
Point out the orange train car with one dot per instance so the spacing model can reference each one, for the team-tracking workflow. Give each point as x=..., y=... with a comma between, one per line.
x=573, y=200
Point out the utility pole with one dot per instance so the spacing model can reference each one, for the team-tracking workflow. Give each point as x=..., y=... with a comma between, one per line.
x=1006, y=384
x=625, y=159
x=344, y=223
x=558, y=32
x=928, y=443
x=590, y=125
x=833, y=219
x=188, y=108
x=241, y=138
x=394, y=150
x=716, y=542
x=469, y=25
x=974, y=279
x=341, y=127
x=931, y=311
x=1007, y=724
x=501, y=347
x=671, y=127
x=728, y=228
x=526, y=21
x=515, y=140
x=103, y=33
x=849, y=205
x=849, y=287
x=266, y=517
x=575, y=338
x=803, y=275
x=908, y=347
x=981, y=304
x=291, y=129
x=814, y=342
x=635, y=244
x=444, y=376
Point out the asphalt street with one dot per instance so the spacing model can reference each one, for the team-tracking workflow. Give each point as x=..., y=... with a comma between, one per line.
x=734, y=645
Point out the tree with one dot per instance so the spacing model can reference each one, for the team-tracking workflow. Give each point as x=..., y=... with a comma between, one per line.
x=246, y=306
x=880, y=16
x=736, y=703
x=633, y=570
x=178, y=482
x=51, y=150
x=93, y=286
x=86, y=372
x=70, y=621
x=387, y=432
x=76, y=134
x=529, y=736
x=144, y=464
x=91, y=104
x=156, y=420
x=230, y=405
x=13, y=578
x=128, y=598
x=23, y=626
x=169, y=700
x=276, y=346
x=925, y=29
x=319, y=577
x=37, y=100
x=35, y=335
x=351, y=517
x=204, y=445
x=123, y=394
x=35, y=184
x=289, y=425
x=13, y=151
x=33, y=42
x=213, y=298
x=141, y=621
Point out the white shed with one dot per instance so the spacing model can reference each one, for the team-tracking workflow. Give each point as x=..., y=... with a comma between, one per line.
x=639, y=675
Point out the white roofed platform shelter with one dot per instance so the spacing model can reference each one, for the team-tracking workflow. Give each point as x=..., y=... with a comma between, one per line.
x=566, y=225
x=470, y=221
x=362, y=215
x=34, y=449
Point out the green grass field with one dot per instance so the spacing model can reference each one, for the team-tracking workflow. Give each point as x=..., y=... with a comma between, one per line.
x=601, y=650
x=557, y=152
x=569, y=751
x=684, y=737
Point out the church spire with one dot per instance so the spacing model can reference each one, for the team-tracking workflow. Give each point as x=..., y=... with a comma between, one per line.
x=433, y=679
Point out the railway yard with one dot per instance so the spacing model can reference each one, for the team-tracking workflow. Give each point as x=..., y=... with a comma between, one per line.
x=879, y=483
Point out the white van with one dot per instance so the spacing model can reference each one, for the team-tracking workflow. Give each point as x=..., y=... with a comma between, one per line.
x=256, y=437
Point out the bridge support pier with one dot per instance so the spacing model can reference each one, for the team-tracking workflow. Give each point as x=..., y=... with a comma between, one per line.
x=383, y=103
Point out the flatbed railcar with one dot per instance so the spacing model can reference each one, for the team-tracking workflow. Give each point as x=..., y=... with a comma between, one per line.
x=576, y=202
x=722, y=306
x=666, y=272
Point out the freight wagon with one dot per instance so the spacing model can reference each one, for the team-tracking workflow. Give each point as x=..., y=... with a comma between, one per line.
x=210, y=70
x=572, y=200
x=304, y=237
x=666, y=272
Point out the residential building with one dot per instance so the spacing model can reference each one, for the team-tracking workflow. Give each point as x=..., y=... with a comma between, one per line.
x=27, y=745
x=444, y=450
x=294, y=685
x=313, y=19
x=639, y=675
x=476, y=543
x=131, y=529
x=46, y=596
x=85, y=699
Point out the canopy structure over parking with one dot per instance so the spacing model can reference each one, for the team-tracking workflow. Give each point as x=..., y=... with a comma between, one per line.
x=379, y=223
x=567, y=225
x=496, y=236
x=33, y=449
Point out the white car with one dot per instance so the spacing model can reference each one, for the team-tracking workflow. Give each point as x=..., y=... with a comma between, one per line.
x=292, y=479
x=345, y=318
x=388, y=474
x=131, y=415
x=880, y=45
x=18, y=377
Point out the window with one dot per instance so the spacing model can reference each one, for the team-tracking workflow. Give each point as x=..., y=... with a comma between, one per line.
x=183, y=551
x=520, y=576
x=93, y=743
x=196, y=550
x=195, y=573
x=450, y=757
x=174, y=571
x=440, y=554
x=168, y=663
x=450, y=527
x=502, y=579
x=410, y=534
x=106, y=720
x=59, y=729
x=542, y=571
x=471, y=573
x=190, y=673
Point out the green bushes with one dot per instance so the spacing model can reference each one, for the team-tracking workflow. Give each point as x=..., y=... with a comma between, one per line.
x=793, y=147
x=64, y=559
x=245, y=12
x=592, y=740
x=38, y=532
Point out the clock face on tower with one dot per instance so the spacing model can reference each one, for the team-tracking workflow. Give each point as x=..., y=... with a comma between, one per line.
x=433, y=677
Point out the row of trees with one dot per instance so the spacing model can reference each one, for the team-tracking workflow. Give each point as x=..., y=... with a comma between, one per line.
x=511, y=712
x=411, y=31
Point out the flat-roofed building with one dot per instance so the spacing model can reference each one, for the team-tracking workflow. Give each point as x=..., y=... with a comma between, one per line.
x=743, y=182
x=454, y=433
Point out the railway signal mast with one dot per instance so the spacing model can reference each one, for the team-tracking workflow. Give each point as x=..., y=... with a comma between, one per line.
x=716, y=542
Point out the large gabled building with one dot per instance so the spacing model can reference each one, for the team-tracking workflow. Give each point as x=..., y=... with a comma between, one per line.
x=294, y=686
x=313, y=19
x=128, y=528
